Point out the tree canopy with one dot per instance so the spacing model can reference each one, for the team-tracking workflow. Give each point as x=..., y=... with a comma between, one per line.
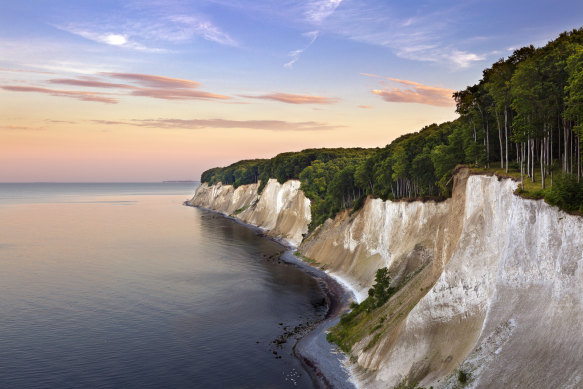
x=532, y=102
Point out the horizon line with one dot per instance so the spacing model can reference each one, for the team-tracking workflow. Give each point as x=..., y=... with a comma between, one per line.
x=99, y=182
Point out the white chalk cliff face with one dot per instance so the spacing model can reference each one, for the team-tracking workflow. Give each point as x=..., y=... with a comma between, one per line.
x=493, y=282
x=281, y=210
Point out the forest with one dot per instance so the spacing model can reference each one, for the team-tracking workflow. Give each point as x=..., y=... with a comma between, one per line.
x=523, y=119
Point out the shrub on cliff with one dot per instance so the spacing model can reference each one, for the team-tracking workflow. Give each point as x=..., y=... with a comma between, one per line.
x=566, y=193
x=381, y=290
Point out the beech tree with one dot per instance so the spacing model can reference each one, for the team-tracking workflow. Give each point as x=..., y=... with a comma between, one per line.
x=533, y=100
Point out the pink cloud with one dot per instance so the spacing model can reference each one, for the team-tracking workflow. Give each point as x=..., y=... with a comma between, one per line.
x=158, y=87
x=80, y=95
x=365, y=106
x=370, y=75
x=414, y=92
x=167, y=88
x=196, y=124
x=21, y=128
x=296, y=99
x=153, y=81
x=89, y=83
x=177, y=94
x=23, y=71
x=60, y=121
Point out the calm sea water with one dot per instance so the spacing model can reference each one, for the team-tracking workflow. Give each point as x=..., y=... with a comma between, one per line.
x=121, y=286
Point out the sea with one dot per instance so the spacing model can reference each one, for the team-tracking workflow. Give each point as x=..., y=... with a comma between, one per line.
x=122, y=286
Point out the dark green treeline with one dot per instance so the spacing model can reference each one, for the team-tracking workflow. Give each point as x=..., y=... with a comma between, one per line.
x=525, y=114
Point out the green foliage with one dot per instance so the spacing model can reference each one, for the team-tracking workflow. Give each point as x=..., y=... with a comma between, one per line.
x=381, y=290
x=239, y=210
x=566, y=193
x=328, y=176
x=239, y=173
x=532, y=100
x=405, y=384
x=464, y=377
x=378, y=295
x=311, y=261
x=358, y=204
x=574, y=89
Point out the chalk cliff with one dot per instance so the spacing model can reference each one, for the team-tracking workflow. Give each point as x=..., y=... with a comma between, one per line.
x=281, y=210
x=493, y=283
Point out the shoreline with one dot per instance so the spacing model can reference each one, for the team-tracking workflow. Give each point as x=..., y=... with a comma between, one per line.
x=323, y=361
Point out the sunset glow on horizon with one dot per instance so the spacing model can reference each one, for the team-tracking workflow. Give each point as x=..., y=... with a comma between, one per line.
x=162, y=90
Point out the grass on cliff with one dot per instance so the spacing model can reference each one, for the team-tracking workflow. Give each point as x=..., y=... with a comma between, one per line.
x=240, y=210
x=561, y=190
x=352, y=322
x=306, y=259
x=375, y=316
x=311, y=261
x=405, y=384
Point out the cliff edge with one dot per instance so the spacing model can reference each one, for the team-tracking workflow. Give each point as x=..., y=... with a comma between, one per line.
x=281, y=210
x=490, y=284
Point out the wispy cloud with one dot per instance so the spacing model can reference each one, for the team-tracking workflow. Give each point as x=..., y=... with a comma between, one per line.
x=76, y=67
x=426, y=34
x=199, y=124
x=193, y=26
x=316, y=13
x=370, y=75
x=295, y=55
x=144, y=85
x=88, y=83
x=60, y=121
x=295, y=98
x=177, y=94
x=24, y=71
x=79, y=95
x=365, y=106
x=414, y=92
x=111, y=122
x=136, y=32
x=155, y=81
x=319, y=10
x=22, y=128
x=107, y=37
x=168, y=88
x=463, y=59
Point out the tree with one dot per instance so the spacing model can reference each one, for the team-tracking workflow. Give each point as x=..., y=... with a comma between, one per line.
x=381, y=290
x=574, y=98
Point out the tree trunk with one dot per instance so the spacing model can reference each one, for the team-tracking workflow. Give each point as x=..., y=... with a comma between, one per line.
x=565, y=145
x=522, y=165
x=500, y=140
x=533, y=159
x=578, y=159
x=559, y=138
x=518, y=152
x=551, y=151
x=542, y=162
x=397, y=189
x=571, y=151
x=528, y=158
x=487, y=144
x=506, y=134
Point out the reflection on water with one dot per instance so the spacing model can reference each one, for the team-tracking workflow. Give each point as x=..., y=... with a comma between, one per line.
x=149, y=294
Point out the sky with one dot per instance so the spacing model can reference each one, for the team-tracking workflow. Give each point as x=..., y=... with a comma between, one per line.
x=152, y=90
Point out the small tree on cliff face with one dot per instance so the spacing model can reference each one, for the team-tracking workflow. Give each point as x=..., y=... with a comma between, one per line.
x=381, y=290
